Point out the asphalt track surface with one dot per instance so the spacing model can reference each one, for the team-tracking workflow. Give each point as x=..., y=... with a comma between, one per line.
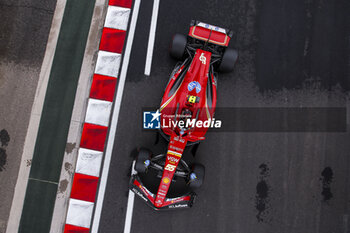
x=292, y=54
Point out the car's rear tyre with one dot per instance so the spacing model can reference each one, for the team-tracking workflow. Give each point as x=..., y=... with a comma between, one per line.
x=142, y=160
x=178, y=46
x=197, y=174
x=228, y=60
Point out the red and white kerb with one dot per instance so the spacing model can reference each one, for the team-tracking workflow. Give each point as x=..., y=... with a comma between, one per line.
x=87, y=172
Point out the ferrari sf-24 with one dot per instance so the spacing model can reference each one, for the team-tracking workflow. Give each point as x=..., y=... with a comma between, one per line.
x=189, y=99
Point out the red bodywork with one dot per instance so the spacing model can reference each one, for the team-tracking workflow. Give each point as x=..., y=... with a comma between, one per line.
x=174, y=102
x=176, y=147
x=191, y=89
x=176, y=98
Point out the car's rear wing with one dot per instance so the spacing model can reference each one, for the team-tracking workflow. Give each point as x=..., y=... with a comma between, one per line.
x=210, y=33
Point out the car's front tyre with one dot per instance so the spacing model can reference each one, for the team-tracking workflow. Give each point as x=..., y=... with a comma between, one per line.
x=142, y=160
x=196, y=176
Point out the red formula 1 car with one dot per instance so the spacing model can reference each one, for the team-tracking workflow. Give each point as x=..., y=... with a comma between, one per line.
x=186, y=113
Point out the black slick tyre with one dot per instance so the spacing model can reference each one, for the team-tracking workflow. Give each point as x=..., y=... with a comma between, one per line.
x=228, y=61
x=178, y=46
x=196, y=178
x=142, y=160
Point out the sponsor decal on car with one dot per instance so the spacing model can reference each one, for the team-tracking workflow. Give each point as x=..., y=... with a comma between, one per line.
x=145, y=190
x=139, y=194
x=174, y=153
x=175, y=199
x=166, y=180
x=194, y=84
x=211, y=27
x=175, y=148
x=159, y=201
x=179, y=139
x=203, y=59
x=178, y=206
x=173, y=159
x=170, y=167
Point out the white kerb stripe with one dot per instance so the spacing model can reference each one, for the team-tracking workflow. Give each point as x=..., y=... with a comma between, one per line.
x=151, y=38
x=98, y=112
x=130, y=206
x=114, y=121
x=79, y=213
x=89, y=162
x=117, y=17
x=108, y=63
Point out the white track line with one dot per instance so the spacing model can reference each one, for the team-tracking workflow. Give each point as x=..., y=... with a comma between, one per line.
x=151, y=38
x=130, y=207
x=114, y=121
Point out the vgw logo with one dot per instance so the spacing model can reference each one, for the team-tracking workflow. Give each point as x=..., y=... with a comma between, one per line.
x=151, y=120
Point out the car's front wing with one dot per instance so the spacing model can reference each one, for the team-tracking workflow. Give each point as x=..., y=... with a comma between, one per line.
x=140, y=190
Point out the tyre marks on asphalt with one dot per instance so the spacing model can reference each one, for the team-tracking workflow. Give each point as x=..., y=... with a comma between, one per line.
x=326, y=179
x=4, y=139
x=263, y=191
x=3, y=159
x=262, y=199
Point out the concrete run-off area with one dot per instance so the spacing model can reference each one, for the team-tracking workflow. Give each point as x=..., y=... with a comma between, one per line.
x=24, y=30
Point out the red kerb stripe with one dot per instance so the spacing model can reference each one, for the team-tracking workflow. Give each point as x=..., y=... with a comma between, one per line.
x=84, y=187
x=112, y=40
x=74, y=229
x=93, y=137
x=103, y=87
x=122, y=3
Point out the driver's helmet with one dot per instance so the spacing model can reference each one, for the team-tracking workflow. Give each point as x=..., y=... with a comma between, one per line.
x=186, y=114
